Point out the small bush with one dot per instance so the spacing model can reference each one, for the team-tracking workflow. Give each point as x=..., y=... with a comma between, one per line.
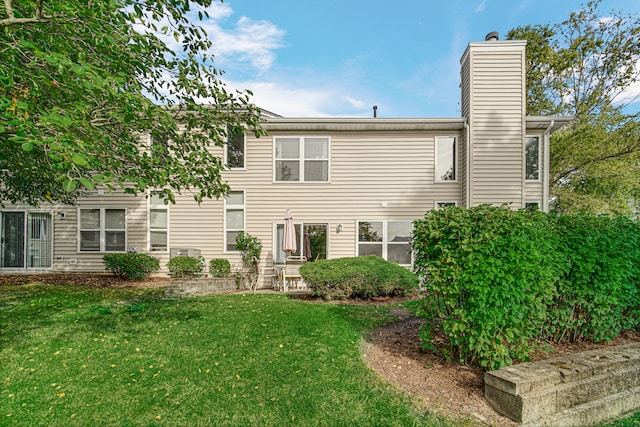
x=219, y=267
x=185, y=266
x=131, y=266
x=359, y=277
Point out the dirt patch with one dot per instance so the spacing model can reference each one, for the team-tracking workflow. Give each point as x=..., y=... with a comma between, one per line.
x=93, y=280
x=454, y=390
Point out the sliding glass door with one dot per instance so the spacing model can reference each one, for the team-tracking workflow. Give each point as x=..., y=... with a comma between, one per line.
x=27, y=239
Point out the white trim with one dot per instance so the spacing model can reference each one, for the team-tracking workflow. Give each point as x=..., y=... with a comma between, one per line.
x=244, y=218
x=456, y=161
x=301, y=159
x=102, y=230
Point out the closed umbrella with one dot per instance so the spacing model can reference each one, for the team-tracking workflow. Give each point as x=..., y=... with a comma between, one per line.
x=289, y=236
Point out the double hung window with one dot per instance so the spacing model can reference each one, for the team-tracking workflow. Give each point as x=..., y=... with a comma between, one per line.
x=301, y=159
x=234, y=220
x=103, y=230
x=158, y=224
x=390, y=240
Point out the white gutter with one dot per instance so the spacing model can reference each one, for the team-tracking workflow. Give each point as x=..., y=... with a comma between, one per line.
x=547, y=163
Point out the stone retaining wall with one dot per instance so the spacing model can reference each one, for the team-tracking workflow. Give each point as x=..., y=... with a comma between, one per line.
x=581, y=389
x=199, y=286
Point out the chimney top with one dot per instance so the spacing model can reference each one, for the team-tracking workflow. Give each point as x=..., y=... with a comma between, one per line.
x=492, y=36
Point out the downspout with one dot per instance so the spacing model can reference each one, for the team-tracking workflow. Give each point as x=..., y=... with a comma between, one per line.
x=547, y=173
x=468, y=171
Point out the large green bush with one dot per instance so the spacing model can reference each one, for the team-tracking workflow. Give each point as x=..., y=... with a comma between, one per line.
x=489, y=275
x=359, y=277
x=185, y=266
x=498, y=281
x=131, y=266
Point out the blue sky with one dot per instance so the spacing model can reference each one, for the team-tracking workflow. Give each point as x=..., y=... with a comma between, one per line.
x=338, y=58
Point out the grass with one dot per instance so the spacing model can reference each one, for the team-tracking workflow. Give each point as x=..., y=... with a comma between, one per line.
x=72, y=356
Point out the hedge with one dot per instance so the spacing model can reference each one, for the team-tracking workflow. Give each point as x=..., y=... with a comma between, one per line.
x=499, y=281
x=131, y=266
x=358, y=278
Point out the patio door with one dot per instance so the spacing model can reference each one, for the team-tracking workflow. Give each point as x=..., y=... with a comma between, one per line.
x=26, y=240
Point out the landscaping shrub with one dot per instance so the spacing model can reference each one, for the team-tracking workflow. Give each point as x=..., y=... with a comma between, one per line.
x=489, y=275
x=359, y=277
x=131, y=266
x=498, y=281
x=219, y=267
x=185, y=266
x=598, y=290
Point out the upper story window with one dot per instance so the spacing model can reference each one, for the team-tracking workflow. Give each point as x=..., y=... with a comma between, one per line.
x=235, y=149
x=446, y=159
x=532, y=149
x=301, y=159
x=103, y=230
x=234, y=215
x=158, y=224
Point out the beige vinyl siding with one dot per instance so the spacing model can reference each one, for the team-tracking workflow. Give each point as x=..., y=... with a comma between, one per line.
x=65, y=230
x=496, y=115
x=373, y=175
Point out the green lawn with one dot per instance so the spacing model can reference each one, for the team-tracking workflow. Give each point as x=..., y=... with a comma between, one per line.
x=74, y=356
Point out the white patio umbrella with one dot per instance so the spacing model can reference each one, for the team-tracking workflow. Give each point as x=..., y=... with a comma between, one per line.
x=289, y=235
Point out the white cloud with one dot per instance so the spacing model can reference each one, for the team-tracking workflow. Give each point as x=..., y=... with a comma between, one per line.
x=480, y=7
x=355, y=103
x=253, y=42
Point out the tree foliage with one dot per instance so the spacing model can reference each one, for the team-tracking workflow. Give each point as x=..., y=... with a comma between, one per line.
x=584, y=67
x=84, y=83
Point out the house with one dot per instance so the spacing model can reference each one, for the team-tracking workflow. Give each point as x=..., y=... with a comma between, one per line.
x=354, y=185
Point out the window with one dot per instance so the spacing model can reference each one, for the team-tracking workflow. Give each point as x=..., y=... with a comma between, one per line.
x=532, y=206
x=446, y=158
x=442, y=205
x=235, y=150
x=312, y=242
x=159, y=142
x=532, y=148
x=233, y=218
x=103, y=230
x=301, y=159
x=158, y=224
x=390, y=240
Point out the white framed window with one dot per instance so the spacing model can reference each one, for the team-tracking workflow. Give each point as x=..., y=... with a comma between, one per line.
x=234, y=218
x=235, y=150
x=445, y=204
x=301, y=159
x=312, y=241
x=446, y=159
x=387, y=239
x=532, y=156
x=102, y=229
x=158, y=221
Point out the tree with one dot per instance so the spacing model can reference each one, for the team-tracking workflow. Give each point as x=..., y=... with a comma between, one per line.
x=83, y=84
x=584, y=67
